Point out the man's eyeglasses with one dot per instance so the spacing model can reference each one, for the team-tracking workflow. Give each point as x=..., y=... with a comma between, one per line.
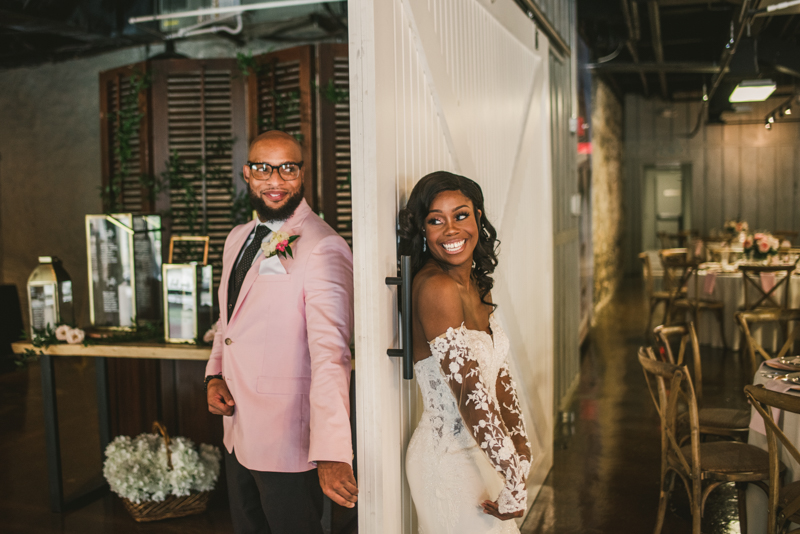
x=288, y=171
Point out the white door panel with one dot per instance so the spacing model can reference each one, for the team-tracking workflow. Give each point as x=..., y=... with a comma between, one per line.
x=453, y=85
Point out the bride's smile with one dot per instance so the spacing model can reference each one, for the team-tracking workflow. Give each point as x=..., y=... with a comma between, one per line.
x=451, y=228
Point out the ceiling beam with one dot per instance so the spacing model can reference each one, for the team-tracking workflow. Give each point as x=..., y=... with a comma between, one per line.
x=670, y=3
x=683, y=67
x=27, y=24
x=658, y=48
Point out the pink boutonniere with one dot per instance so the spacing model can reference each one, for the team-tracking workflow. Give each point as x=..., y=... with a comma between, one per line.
x=279, y=244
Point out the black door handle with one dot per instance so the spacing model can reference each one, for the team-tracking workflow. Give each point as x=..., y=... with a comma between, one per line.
x=403, y=283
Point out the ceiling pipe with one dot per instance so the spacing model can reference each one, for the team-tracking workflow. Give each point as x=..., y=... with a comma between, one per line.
x=229, y=10
x=744, y=18
x=632, y=38
x=676, y=66
x=655, y=32
x=775, y=7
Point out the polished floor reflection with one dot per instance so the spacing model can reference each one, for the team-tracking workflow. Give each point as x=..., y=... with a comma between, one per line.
x=606, y=461
x=605, y=476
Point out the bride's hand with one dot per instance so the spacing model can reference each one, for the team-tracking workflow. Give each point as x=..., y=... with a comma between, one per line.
x=491, y=508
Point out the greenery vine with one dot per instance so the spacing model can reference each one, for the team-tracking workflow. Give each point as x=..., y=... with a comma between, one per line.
x=126, y=126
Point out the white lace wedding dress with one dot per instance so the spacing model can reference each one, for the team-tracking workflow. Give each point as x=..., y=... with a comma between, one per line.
x=470, y=445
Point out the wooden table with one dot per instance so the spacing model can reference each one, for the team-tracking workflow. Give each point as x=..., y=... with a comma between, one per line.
x=158, y=351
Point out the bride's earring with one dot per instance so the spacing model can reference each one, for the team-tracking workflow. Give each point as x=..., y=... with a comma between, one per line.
x=424, y=243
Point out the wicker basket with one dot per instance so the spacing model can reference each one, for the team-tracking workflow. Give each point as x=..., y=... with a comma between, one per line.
x=171, y=506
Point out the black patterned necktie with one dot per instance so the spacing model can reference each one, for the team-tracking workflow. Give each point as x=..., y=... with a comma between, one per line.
x=247, y=259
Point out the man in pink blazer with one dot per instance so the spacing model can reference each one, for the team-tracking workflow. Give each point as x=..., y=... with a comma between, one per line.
x=279, y=371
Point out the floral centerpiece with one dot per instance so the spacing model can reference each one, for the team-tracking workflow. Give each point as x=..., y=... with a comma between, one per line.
x=734, y=226
x=761, y=245
x=158, y=476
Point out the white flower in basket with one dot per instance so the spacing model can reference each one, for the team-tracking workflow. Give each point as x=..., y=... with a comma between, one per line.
x=153, y=467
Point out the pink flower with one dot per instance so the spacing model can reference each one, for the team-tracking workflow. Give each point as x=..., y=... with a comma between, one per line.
x=759, y=236
x=763, y=246
x=75, y=336
x=748, y=242
x=62, y=331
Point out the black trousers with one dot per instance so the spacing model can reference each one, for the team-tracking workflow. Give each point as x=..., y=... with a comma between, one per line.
x=273, y=503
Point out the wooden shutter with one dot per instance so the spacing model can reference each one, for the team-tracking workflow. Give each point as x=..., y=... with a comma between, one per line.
x=198, y=109
x=280, y=98
x=334, y=137
x=116, y=101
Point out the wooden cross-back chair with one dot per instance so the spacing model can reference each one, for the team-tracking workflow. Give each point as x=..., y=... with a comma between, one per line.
x=781, y=319
x=713, y=463
x=724, y=422
x=671, y=239
x=785, y=235
x=654, y=298
x=784, y=501
x=678, y=271
x=751, y=278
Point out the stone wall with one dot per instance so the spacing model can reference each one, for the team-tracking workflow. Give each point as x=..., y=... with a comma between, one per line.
x=50, y=160
x=607, y=192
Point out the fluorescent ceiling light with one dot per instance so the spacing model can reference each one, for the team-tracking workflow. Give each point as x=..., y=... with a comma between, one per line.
x=752, y=91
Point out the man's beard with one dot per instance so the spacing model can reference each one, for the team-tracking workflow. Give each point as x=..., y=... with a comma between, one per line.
x=265, y=213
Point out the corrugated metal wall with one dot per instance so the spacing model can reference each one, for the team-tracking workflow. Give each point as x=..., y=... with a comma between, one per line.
x=561, y=14
x=565, y=230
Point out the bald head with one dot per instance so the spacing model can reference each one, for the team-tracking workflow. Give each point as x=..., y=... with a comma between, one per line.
x=277, y=139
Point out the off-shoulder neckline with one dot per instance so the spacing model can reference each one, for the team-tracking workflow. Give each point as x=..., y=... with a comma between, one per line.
x=464, y=327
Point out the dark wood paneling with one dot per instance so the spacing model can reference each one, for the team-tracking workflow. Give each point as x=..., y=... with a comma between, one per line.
x=133, y=395
x=194, y=420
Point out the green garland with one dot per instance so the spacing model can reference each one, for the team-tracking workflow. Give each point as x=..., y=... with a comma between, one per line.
x=128, y=118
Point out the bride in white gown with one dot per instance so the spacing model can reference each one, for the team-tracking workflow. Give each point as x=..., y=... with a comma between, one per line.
x=469, y=457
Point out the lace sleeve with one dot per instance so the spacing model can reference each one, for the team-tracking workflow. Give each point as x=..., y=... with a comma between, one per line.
x=481, y=415
x=512, y=415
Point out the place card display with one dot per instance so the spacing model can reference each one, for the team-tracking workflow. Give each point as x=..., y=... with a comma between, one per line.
x=187, y=301
x=124, y=254
x=49, y=295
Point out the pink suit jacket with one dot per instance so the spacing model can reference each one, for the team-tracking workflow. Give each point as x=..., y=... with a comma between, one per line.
x=285, y=351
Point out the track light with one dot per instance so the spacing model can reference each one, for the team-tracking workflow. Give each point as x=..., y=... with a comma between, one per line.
x=788, y=111
x=771, y=119
x=768, y=126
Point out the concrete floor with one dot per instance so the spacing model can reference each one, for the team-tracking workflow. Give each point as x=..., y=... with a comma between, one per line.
x=604, y=478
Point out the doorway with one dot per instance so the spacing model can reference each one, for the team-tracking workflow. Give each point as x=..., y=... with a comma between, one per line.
x=666, y=203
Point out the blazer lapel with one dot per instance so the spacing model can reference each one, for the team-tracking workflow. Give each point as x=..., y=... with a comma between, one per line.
x=292, y=224
x=292, y=227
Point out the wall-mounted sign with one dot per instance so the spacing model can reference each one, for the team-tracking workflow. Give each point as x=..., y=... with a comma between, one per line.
x=49, y=295
x=124, y=255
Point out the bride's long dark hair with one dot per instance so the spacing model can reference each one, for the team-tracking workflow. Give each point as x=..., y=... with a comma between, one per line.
x=412, y=224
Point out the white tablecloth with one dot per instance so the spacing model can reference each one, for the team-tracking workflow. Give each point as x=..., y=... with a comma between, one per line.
x=728, y=289
x=757, y=501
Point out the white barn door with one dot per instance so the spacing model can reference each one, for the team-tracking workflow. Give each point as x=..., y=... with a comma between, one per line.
x=458, y=85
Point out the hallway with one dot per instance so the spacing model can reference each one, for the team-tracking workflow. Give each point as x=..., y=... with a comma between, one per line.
x=606, y=460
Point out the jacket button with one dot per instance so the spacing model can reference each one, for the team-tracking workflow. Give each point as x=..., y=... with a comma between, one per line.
x=228, y=341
